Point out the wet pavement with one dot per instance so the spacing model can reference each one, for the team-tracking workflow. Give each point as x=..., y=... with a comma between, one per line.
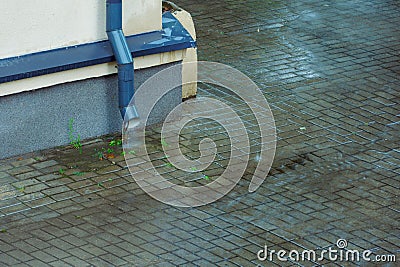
x=330, y=72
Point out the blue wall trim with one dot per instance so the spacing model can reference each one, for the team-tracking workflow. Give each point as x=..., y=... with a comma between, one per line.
x=173, y=37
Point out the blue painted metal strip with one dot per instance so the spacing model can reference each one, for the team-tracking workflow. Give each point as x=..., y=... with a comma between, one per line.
x=173, y=37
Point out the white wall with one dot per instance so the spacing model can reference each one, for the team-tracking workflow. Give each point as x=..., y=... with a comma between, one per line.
x=28, y=26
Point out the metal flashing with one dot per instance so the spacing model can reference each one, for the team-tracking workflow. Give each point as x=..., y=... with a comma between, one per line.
x=172, y=37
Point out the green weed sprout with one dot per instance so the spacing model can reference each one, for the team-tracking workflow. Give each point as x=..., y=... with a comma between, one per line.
x=74, y=141
x=115, y=142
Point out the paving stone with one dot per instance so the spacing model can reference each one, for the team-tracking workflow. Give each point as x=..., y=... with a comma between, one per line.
x=32, y=188
x=48, y=177
x=23, y=162
x=10, y=261
x=91, y=249
x=17, y=254
x=75, y=261
x=58, y=263
x=58, y=243
x=45, y=164
x=5, y=167
x=21, y=265
x=60, y=181
x=3, y=175
x=333, y=87
x=61, y=254
x=55, y=190
x=20, y=170
x=36, y=262
x=43, y=256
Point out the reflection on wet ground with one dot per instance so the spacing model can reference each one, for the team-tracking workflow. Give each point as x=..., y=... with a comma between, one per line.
x=330, y=72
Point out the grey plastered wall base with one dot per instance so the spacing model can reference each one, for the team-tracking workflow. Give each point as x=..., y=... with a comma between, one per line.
x=37, y=120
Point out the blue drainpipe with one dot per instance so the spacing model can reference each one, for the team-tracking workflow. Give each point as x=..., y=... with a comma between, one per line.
x=123, y=56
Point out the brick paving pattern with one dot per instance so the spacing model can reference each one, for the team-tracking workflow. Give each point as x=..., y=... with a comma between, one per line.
x=330, y=72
